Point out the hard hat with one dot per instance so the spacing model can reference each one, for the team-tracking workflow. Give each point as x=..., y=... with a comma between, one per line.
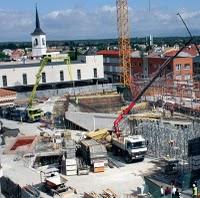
x=193, y=185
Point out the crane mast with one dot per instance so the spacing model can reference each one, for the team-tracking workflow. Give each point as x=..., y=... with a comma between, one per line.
x=124, y=41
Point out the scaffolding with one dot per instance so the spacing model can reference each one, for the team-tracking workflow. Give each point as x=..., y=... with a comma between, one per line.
x=167, y=138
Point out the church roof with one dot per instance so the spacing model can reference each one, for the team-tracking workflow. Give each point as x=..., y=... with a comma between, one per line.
x=38, y=30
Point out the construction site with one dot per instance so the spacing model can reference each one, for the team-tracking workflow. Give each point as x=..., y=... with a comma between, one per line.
x=109, y=140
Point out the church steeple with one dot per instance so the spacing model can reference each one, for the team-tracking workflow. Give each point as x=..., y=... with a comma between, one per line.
x=39, y=47
x=38, y=30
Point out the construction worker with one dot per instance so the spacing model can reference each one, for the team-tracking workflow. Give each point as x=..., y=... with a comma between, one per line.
x=168, y=191
x=162, y=192
x=194, y=191
x=177, y=194
x=173, y=191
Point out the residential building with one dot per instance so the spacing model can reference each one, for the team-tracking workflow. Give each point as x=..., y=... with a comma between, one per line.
x=143, y=65
x=183, y=69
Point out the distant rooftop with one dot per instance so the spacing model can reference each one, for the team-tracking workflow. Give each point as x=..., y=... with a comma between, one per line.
x=108, y=52
x=189, y=51
x=6, y=93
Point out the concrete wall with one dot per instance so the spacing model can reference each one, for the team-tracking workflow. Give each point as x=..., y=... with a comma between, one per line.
x=15, y=73
x=92, y=89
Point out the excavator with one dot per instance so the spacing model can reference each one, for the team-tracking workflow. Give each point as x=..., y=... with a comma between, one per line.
x=30, y=113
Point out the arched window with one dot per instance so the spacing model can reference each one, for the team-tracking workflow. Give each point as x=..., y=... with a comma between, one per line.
x=36, y=42
x=43, y=41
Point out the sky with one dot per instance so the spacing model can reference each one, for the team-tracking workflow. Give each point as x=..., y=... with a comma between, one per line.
x=95, y=19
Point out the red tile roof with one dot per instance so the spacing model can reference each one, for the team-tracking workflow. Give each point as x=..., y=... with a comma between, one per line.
x=170, y=53
x=191, y=51
x=6, y=93
x=108, y=52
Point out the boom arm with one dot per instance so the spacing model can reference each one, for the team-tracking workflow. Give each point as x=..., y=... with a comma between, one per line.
x=38, y=75
x=37, y=81
x=140, y=94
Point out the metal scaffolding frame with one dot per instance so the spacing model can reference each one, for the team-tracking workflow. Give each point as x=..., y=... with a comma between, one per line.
x=167, y=140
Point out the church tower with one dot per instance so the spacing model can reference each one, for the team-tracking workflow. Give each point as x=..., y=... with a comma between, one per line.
x=39, y=47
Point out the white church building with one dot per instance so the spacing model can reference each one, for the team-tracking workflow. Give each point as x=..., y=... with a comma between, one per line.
x=23, y=74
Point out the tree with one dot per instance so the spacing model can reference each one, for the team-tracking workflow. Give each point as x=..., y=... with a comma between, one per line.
x=3, y=56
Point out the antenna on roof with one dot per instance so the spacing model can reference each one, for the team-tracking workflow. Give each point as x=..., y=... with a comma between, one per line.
x=189, y=32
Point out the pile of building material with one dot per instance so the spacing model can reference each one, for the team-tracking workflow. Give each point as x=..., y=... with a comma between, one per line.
x=145, y=116
x=69, y=149
x=99, y=135
x=58, y=188
x=139, y=107
x=69, y=167
x=94, y=152
x=69, y=162
x=108, y=193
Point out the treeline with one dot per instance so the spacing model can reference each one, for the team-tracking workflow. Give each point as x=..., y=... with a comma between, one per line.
x=100, y=43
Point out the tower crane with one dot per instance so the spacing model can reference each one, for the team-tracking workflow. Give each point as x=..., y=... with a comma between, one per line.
x=124, y=41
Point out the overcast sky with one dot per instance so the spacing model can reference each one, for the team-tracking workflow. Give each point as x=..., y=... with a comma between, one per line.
x=95, y=19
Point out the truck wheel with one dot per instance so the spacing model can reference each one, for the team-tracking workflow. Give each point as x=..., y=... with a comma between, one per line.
x=127, y=158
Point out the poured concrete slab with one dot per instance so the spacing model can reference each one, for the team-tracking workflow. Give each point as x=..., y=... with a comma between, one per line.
x=91, y=121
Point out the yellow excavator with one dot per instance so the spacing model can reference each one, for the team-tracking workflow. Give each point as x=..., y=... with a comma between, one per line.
x=34, y=113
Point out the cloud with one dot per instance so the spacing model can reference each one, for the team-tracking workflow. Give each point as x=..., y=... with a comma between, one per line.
x=80, y=23
x=15, y=25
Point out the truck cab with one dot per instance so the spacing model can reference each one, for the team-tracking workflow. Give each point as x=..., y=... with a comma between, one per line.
x=34, y=114
x=131, y=147
x=136, y=147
